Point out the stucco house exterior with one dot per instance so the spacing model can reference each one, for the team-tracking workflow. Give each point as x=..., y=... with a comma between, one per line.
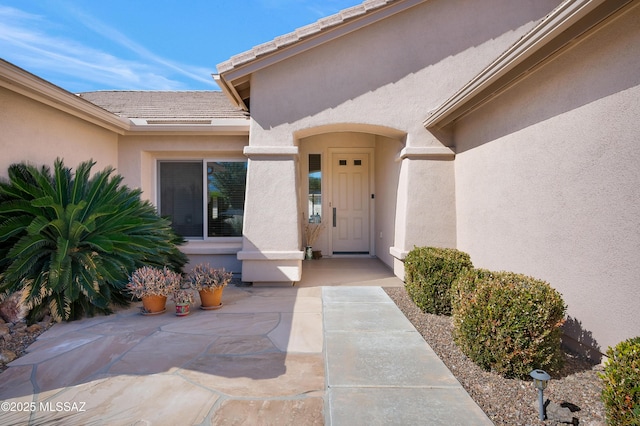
x=510, y=135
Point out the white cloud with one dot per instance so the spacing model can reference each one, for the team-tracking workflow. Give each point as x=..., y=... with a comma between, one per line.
x=29, y=41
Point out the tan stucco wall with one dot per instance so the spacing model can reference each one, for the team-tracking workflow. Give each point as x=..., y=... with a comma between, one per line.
x=138, y=154
x=387, y=74
x=34, y=132
x=387, y=176
x=548, y=181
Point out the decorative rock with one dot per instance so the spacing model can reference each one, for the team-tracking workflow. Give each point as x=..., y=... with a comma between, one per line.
x=559, y=414
x=6, y=356
x=34, y=328
x=11, y=310
x=45, y=321
x=594, y=423
x=4, y=329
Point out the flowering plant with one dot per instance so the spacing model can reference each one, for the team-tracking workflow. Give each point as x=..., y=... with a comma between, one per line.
x=183, y=296
x=149, y=281
x=204, y=277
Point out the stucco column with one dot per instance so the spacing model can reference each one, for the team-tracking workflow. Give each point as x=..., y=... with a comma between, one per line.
x=425, y=206
x=271, y=244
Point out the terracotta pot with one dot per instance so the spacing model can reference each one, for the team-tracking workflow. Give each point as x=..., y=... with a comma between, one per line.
x=182, y=309
x=211, y=298
x=154, y=304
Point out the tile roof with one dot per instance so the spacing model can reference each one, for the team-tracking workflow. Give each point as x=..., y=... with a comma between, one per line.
x=166, y=106
x=302, y=33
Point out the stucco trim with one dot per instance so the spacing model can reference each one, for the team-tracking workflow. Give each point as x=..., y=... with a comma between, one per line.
x=211, y=247
x=560, y=28
x=398, y=253
x=250, y=151
x=271, y=255
x=428, y=152
x=221, y=126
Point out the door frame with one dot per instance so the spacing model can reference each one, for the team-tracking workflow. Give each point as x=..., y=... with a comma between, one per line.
x=329, y=203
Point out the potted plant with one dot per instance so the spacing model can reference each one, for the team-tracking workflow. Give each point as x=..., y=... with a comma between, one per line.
x=153, y=285
x=210, y=283
x=311, y=234
x=183, y=298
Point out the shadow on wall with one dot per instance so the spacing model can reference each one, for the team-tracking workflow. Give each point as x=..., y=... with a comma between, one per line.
x=580, y=341
x=602, y=61
x=372, y=58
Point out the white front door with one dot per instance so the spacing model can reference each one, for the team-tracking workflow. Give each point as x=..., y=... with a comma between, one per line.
x=350, y=203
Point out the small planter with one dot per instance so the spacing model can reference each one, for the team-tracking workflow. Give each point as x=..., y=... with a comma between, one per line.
x=182, y=309
x=308, y=253
x=210, y=283
x=153, y=285
x=211, y=299
x=154, y=304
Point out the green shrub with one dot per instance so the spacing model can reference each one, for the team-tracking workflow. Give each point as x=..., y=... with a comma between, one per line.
x=429, y=275
x=508, y=323
x=69, y=241
x=621, y=383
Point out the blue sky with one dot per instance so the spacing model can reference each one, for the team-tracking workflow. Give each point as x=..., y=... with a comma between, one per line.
x=86, y=45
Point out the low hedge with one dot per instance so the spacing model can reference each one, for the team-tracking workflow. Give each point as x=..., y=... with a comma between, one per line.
x=621, y=383
x=429, y=275
x=508, y=323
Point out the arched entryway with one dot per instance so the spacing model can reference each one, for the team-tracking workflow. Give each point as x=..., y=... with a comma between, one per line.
x=348, y=177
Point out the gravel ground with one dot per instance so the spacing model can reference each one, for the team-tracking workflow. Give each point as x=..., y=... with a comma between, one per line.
x=16, y=338
x=509, y=401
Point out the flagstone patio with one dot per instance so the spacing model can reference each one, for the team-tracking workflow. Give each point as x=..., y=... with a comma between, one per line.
x=275, y=356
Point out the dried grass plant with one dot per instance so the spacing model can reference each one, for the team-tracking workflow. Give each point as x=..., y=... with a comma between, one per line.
x=312, y=232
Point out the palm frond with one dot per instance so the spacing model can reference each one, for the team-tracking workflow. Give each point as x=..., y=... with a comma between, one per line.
x=13, y=226
x=63, y=179
x=70, y=241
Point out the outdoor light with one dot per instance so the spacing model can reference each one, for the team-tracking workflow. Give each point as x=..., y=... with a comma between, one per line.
x=540, y=381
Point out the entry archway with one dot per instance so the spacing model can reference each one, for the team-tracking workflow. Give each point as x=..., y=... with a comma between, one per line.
x=354, y=170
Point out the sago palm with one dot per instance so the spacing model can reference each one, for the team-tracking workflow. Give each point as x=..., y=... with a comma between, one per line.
x=69, y=241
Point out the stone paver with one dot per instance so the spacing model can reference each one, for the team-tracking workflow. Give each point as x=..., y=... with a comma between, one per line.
x=380, y=371
x=258, y=357
x=271, y=356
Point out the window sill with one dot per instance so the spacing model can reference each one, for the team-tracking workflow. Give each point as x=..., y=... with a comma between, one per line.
x=211, y=247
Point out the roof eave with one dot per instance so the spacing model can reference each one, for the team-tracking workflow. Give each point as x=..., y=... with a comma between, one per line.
x=23, y=82
x=230, y=91
x=220, y=126
x=563, y=25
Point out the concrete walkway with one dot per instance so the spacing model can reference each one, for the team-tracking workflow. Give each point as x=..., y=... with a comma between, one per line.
x=341, y=355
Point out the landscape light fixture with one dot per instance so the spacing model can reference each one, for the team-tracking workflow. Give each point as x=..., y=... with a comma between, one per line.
x=540, y=381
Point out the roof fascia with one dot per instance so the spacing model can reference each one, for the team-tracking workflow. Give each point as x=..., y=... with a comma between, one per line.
x=230, y=91
x=221, y=127
x=562, y=26
x=24, y=83
x=226, y=79
x=33, y=87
